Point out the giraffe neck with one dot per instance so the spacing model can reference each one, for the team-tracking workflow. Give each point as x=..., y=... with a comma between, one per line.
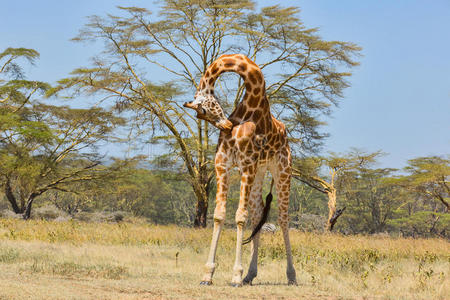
x=254, y=106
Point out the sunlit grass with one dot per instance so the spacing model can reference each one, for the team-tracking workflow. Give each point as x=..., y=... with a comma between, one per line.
x=137, y=260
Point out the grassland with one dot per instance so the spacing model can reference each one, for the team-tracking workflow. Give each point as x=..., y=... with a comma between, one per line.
x=76, y=260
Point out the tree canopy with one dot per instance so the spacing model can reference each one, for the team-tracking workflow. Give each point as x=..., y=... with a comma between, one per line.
x=42, y=146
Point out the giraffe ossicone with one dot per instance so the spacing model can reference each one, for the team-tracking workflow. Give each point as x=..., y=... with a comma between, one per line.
x=255, y=142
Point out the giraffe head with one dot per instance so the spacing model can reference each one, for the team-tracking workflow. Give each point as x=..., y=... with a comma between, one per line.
x=209, y=109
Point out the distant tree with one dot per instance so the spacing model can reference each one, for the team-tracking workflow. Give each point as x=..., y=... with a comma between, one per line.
x=372, y=197
x=44, y=147
x=430, y=178
x=308, y=170
x=152, y=63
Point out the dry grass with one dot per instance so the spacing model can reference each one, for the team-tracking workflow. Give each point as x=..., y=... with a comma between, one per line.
x=75, y=260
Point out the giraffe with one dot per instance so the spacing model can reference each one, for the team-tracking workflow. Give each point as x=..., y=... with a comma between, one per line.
x=254, y=141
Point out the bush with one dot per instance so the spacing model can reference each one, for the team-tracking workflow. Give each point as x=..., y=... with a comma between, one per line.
x=310, y=222
x=48, y=212
x=7, y=213
x=100, y=217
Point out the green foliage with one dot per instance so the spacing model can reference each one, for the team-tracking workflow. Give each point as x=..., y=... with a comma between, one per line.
x=429, y=177
x=421, y=223
x=158, y=196
x=44, y=147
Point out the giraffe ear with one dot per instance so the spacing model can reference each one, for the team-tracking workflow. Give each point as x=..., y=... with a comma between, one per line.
x=224, y=125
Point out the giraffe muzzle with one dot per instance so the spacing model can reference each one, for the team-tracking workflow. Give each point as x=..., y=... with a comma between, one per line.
x=190, y=105
x=197, y=107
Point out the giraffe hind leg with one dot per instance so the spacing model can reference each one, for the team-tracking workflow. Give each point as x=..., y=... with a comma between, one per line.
x=247, y=179
x=256, y=210
x=283, y=182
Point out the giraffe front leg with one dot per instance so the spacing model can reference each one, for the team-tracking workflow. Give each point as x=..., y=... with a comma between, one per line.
x=219, y=218
x=241, y=217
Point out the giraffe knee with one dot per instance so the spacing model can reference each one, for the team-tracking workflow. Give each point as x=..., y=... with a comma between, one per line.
x=219, y=213
x=241, y=216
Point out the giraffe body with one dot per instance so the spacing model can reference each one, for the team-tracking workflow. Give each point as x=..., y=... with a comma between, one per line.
x=255, y=142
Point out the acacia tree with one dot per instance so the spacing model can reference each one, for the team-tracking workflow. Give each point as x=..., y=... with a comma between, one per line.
x=429, y=177
x=373, y=198
x=308, y=171
x=42, y=146
x=152, y=63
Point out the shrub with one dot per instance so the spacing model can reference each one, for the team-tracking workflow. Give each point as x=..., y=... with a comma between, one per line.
x=9, y=214
x=48, y=212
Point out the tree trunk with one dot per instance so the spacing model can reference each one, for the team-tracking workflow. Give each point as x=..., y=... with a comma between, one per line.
x=12, y=199
x=27, y=213
x=201, y=208
x=333, y=215
x=331, y=208
x=446, y=204
x=201, y=213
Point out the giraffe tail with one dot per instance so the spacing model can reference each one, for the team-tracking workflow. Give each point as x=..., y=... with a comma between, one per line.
x=264, y=217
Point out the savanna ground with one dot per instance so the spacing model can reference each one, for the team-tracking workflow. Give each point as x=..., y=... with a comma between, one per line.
x=77, y=260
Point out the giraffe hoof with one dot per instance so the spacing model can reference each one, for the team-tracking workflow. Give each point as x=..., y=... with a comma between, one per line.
x=247, y=282
x=292, y=282
x=206, y=283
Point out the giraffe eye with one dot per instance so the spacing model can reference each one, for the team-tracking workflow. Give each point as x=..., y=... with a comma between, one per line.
x=201, y=110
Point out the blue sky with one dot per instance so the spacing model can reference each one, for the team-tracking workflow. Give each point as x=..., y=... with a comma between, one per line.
x=399, y=99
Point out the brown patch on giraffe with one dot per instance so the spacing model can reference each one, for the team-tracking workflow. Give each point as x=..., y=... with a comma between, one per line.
x=240, y=110
x=242, y=67
x=202, y=85
x=228, y=62
x=284, y=176
x=257, y=114
x=248, y=87
x=258, y=75
x=214, y=69
x=220, y=170
x=252, y=77
x=226, y=146
x=255, y=156
x=256, y=91
x=251, y=169
x=253, y=102
x=262, y=126
x=265, y=104
x=207, y=74
x=247, y=115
